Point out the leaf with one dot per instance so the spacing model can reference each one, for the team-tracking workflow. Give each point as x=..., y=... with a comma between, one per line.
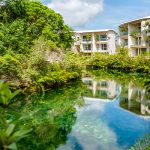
x=14, y=94
x=19, y=135
x=12, y=146
x=10, y=129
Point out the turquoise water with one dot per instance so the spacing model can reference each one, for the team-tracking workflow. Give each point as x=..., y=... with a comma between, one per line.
x=113, y=117
x=102, y=112
x=104, y=125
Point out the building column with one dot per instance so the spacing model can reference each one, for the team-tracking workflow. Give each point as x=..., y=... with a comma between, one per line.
x=94, y=88
x=93, y=42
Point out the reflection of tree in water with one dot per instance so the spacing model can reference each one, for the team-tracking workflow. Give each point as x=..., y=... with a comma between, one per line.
x=51, y=117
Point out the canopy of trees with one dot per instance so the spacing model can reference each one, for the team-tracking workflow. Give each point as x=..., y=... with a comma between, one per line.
x=23, y=21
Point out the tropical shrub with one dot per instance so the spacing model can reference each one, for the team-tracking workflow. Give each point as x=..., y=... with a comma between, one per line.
x=10, y=67
x=119, y=62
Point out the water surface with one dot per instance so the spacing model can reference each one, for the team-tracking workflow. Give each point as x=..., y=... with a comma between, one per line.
x=114, y=116
x=105, y=111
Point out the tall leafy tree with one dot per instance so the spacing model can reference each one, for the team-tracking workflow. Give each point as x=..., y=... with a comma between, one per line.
x=23, y=21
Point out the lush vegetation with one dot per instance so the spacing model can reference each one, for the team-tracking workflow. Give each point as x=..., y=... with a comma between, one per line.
x=40, y=121
x=6, y=95
x=34, y=41
x=120, y=61
x=35, y=55
x=23, y=21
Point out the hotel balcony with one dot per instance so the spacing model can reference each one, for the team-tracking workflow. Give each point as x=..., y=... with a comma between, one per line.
x=124, y=34
x=87, y=41
x=101, y=40
x=136, y=33
x=138, y=44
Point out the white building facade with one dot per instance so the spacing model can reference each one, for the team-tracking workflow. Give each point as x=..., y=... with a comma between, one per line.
x=102, y=41
x=135, y=35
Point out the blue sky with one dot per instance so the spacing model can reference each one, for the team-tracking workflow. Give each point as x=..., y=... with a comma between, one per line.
x=99, y=14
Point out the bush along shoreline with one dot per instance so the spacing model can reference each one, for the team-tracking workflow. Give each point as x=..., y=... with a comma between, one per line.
x=119, y=62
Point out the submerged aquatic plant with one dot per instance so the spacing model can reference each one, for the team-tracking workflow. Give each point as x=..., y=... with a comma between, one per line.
x=6, y=95
x=142, y=144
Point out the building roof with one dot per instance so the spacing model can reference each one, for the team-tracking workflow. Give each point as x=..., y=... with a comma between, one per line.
x=139, y=19
x=91, y=31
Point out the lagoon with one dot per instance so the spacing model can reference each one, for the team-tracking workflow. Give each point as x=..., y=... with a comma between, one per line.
x=103, y=111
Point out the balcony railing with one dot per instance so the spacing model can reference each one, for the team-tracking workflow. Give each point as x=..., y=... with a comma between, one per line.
x=124, y=33
x=101, y=39
x=87, y=40
x=137, y=43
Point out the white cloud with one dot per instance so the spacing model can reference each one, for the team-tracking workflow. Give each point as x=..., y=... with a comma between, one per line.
x=77, y=12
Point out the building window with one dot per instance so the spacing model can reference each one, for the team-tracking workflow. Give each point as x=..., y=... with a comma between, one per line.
x=126, y=42
x=103, y=37
x=104, y=46
x=87, y=47
x=87, y=38
x=98, y=46
x=143, y=51
x=104, y=84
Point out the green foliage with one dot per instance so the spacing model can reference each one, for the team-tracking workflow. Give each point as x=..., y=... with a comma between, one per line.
x=6, y=95
x=32, y=42
x=119, y=62
x=135, y=33
x=21, y=25
x=88, y=37
x=122, y=51
x=51, y=116
x=122, y=29
x=9, y=136
x=73, y=62
x=10, y=67
x=46, y=65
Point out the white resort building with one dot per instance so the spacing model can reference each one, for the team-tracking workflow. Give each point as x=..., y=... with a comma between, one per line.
x=103, y=41
x=135, y=35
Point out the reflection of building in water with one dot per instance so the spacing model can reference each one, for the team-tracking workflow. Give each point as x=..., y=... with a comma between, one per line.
x=100, y=89
x=135, y=100
x=132, y=98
